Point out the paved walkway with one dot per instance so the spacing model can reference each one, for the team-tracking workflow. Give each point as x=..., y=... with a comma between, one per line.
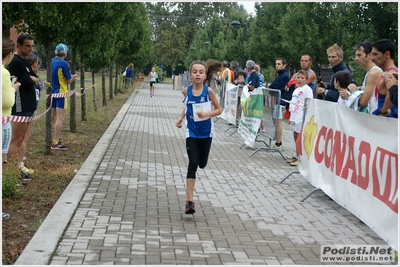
x=126, y=204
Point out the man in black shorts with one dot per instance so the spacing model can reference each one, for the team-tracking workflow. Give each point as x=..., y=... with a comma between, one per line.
x=25, y=101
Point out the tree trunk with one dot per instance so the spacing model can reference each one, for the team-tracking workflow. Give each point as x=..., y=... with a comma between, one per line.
x=103, y=87
x=48, y=137
x=72, y=112
x=116, y=79
x=94, y=92
x=83, y=97
x=111, y=96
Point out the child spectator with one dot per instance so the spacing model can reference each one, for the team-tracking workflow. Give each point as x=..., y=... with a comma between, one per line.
x=241, y=80
x=199, y=130
x=297, y=103
x=342, y=79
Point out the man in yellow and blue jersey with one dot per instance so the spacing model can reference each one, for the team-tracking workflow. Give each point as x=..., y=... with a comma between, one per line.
x=60, y=79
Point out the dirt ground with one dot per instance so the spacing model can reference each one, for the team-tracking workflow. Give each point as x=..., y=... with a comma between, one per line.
x=31, y=204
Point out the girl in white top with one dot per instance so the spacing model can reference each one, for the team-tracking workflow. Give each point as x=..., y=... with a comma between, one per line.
x=152, y=75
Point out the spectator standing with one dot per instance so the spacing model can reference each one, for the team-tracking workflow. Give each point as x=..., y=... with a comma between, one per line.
x=341, y=82
x=35, y=61
x=60, y=79
x=297, y=103
x=392, y=94
x=236, y=69
x=254, y=78
x=227, y=75
x=25, y=101
x=128, y=75
x=8, y=89
x=335, y=58
x=305, y=64
x=8, y=93
x=199, y=130
x=153, y=76
x=261, y=76
x=280, y=84
x=373, y=72
x=383, y=54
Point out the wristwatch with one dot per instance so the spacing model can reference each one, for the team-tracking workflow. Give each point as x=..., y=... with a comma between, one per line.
x=380, y=112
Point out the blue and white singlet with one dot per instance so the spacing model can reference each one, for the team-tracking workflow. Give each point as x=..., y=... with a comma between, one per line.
x=198, y=129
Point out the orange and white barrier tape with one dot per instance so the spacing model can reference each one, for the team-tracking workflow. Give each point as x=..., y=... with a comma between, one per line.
x=27, y=119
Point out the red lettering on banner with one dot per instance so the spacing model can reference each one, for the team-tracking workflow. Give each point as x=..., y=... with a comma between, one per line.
x=350, y=162
x=339, y=149
x=362, y=175
x=384, y=178
x=328, y=148
x=319, y=156
x=335, y=149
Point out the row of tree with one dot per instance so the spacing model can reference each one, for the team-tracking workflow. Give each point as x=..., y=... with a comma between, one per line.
x=176, y=33
x=99, y=35
x=181, y=31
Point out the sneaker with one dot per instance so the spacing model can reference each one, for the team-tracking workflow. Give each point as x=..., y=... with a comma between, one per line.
x=293, y=159
x=25, y=176
x=22, y=183
x=295, y=163
x=190, y=207
x=5, y=216
x=25, y=169
x=280, y=148
x=58, y=146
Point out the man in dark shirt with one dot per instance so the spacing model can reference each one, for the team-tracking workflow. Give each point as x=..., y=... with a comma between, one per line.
x=254, y=79
x=280, y=83
x=25, y=100
x=335, y=58
x=236, y=69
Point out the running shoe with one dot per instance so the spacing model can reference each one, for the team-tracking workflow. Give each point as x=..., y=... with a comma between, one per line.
x=25, y=169
x=25, y=177
x=190, y=209
x=293, y=159
x=294, y=163
x=58, y=146
x=5, y=216
x=280, y=148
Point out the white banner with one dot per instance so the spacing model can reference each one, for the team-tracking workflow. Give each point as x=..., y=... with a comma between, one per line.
x=252, y=112
x=231, y=103
x=353, y=158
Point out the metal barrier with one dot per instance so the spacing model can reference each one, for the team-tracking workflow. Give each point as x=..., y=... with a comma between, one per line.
x=272, y=99
x=222, y=93
x=219, y=93
x=181, y=81
x=293, y=172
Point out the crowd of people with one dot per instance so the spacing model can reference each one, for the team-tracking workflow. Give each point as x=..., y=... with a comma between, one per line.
x=377, y=95
x=21, y=88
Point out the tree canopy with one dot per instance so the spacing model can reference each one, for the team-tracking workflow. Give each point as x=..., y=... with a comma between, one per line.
x=176, y=33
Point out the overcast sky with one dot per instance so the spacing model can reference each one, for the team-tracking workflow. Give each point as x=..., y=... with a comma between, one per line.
x=248, y=5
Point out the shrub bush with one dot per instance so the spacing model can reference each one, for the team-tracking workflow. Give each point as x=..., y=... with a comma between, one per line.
x=10, y=180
